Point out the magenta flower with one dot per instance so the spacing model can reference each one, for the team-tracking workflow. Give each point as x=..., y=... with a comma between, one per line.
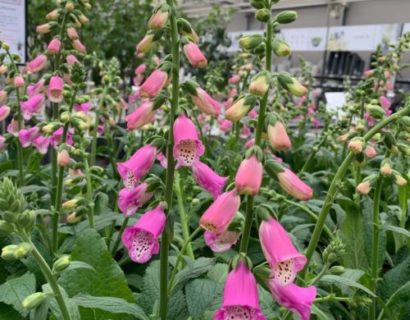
x=130, y=200
x=194, y=55
x=154, y=84
x=4, y=112
x=140, y=69
x=294, y=298
x=141, y=116
x=240, y=298
x=37, y=63
x=220, y=214
x=84, y=107
x=187, y=146
x=208, y=179
x=41, y=143
x=141, y=240
x=57, y=136
x=206, y=103
x=221, y=242
x=31, y=106
x=132, y=170
x=292, y=184
x=162, y=160
x=27, y=135
x=54, y=46
x=225, y=125
x=285, y=261
x=248, y=178
x=35, y=88
x=55, y=89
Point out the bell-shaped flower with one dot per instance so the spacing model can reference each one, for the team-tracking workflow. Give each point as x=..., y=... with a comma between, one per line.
x=221, y=242
x=194, y=55
x=278, y=137
x=187, y=146
x=240, y=108
x=54, y=46
x=154, y=84
x=57, y=136
x=141, y=240
x=79, y=46
x=159, y=19
x=284, y=259
x=4, y=112
x=294, y=186
x=31, y=106
x=27, y=135
x=208, y=179
x=248, y=178
x=129, y=201
x=35, y=88
x=41, y=143
x=260, y=84
x=206, y=103
x=142, y=115
x=37, y=64
x=55, y=89
x=132, y=170
x=240, y=297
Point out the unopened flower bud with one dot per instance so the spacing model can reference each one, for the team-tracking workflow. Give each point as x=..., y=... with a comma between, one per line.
x=22, y=250
x=6, y=228
x=281, y=48
x=250, y=42
x=63, y=158
x=69, y=6
x=70, y=204
x=53, y=15
x=33, y=300
x=257, y=4
x=263, y=15
x=291, y=84
x=356, y=145
x=260, y=84
x=287, y=16
x=159, y=19
x=375, y=111
x=240, y=108
x=72, y=218
x=43, y=28
x=364, y=187
x=62, y=263
x=8, y=252
x=386, y=168
x=337, y=270
x=400, y=180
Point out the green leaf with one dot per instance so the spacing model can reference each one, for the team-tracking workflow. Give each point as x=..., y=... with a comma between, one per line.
x=7, y=312
x=79, y=265
x=398, y=303
x=398, y=230
x=219, y=272
x=15, y=290
x=107, y=280
x=110, y=304
x=193, y=270
x=342, y=281
x=200, y=293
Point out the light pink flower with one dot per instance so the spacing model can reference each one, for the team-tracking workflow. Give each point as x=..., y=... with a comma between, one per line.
x=385, y=102
x=232, y=93
x=141, y=116
x=72, y=33
x=284, y=260
x=55, y=89
x=140, y=69
x=158, y=20
x=27, y=135
x=57, y=136
x=221, y=242
x=245, y=132
x=248, y=178
x=35, y=88
x=278, y=137
x=31, y=106
x=43, y=28
x=250, y=143
x=294, y=298
x=71, y=59
x=292, y=184
x=252, y=114
x=132, y=170
x=207, y=178
x=54, y=46
x=225, y=125
x=194, y=55
x=220, y=214
x=18, y=81
x=234, y=79
x=240, y=297
x=13, y=127
x=187, y=146
x=162, y=160
x=4, y=112
x=82, y=107
x=79, y=46
x=141, y=240
x=41, y=143
x=129, y=201
x=154, y=84
x=370, y=151
x=206, y=103
x=63, y=158
x=37, y=63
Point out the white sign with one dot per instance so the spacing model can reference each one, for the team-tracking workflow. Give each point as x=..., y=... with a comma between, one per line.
x=406, y=28
x=13, y=26
x=305, y=39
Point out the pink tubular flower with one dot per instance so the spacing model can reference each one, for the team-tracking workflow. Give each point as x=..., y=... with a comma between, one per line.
x=208, y=179
x=162, y=160
x=84, y=107
x=158, y=20
x=370, y=151
x=57, y=135
x=129, y=201
x=250, y=143
x=71, y=59
x=141, y=240
x=248, y=178
x=4, y=112
x=234, y=79
x=132, y=170
x=194, y=55
x=278, y=137
x=43, y=28
x=18, y=81
x=187, y=146
x=144, y=114
x=55, y=89
x=140, y=69
x=206, y=103
x=154, y=84
x=54, y=46
x=221, y=242
x=220, y=214
x=35, y=88
x=79, y=46
x=285, y=261
x=27, y=135
x=225, y=125
x=240, y=298
x=294, y=298
x=37, y=63
x=252, y=114
x=72, y=33
x=385, y=102
x=31, y=106
x=292, y=184
x=41, y=143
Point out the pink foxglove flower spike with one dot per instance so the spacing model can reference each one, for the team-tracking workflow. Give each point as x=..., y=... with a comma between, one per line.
x=208, y=179
x=187, y=146
x=129, y=201
x=141, y=240
x=240, y=297
x=285, y=261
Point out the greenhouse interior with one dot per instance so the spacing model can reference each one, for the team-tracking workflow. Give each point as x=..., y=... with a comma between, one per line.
x=205, y=159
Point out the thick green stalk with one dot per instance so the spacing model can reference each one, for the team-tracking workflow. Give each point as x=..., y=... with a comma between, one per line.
x=333, y=186
x=169, y=183
x=183, y=216
x=375, y=244
x=48, y=274
x=90, y=213
x=258, y=138
x=118, y=240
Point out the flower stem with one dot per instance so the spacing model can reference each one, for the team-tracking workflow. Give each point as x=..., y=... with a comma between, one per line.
x=375, y=244
x=169, y=183
x=118, y=240
x=90, y=200
x=333, y=187
x=258, y=138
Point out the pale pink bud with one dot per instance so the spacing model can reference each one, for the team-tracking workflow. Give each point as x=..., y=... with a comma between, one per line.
x=158, y=20
x=3, y=96
x=292, y=184
x=248, y=178
x=206, y=103
x=145, y=44
x=278, y=137
x=143, y=115
x=250, y=143
x=356, y=145
x=71, y=59
x=238, y=110
x=140, y=69
x=63, y=158
x=368, y=73
x=364, y=187
x=400, y=181
x=53, y=15
x=54, y=46
x=154, y=84
x=79, y=46
x=4, y=112
x=370, y=152
x=195, y=56
x=72, y=33
x=43, y=28
x=234, y=79
x=3, y=69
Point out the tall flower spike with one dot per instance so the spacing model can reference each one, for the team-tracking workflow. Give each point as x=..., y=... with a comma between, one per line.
x=248, y=178
x=240, y=298
x=220, y=214
x=129, y=201
x=208, y=179
x=285, y=261
x=292, y=184
x=294, y=298
x=141, y=240
x=187, y=146
x=153, y=84
x=132, y=170
x=144, y=114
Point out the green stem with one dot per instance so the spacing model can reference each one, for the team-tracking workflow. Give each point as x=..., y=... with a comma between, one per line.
x=118, y=240
x=169, y=183
x=90, y=200
x=375, y=244
x=315, y=150
x=258, y=138
x=403, y=205
x=333, y=187
x=183, y=216
x=48, y=274
x=93, y=154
